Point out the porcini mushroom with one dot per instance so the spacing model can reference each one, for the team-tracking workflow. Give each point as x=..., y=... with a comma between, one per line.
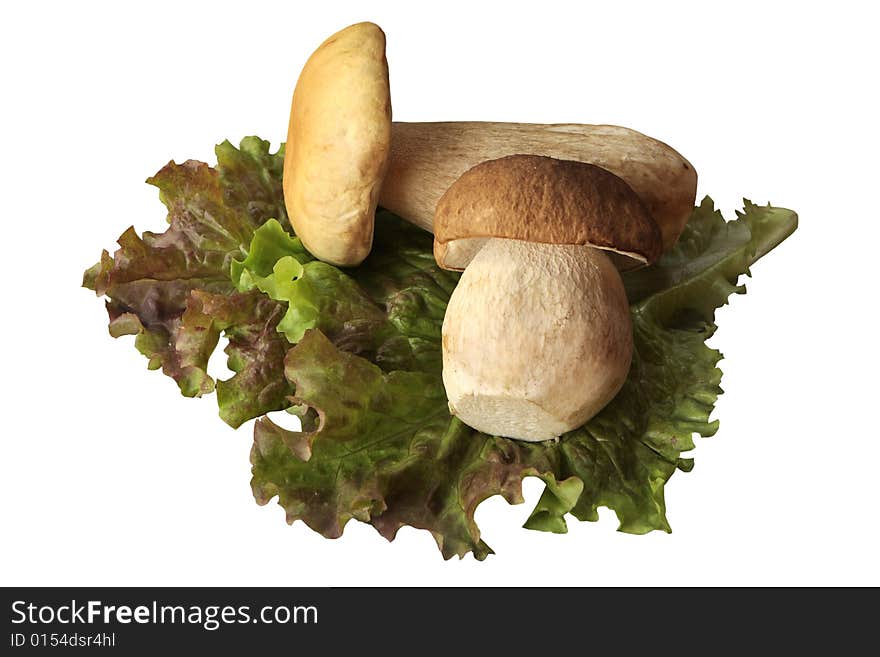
x=338, y=142
x=344, y=155
x=537, y=336
x=426, y=158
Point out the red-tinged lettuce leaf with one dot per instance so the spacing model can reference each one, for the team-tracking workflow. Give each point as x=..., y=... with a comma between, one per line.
x=228, y=232
x=379, y=445
x=255, y=352
x=357, y=354
x=153, y=280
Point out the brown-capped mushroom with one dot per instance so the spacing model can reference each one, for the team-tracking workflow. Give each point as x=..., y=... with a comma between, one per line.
x=537, y=337
x=426, y=158
x=344, y=155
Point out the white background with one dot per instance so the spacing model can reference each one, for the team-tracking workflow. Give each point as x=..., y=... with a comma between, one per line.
x=109, y=477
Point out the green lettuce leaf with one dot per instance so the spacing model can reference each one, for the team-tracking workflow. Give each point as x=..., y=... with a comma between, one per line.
x=356, y=354
x=389, y=310
x=380, y=446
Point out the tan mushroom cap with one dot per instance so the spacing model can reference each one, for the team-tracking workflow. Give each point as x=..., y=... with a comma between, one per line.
x=541, y=199
x=338, y=144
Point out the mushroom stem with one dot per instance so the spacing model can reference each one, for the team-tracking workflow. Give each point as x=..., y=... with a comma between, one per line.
x=537, y=339
x=426, y=158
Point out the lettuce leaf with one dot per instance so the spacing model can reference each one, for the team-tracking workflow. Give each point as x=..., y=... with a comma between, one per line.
x=356, y=354
x=159, y=285
x=380, y=446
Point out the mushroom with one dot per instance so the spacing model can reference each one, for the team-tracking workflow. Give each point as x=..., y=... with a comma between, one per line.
x=338, y=143
x=537, y=336
x=344, y=155
x=426, y=158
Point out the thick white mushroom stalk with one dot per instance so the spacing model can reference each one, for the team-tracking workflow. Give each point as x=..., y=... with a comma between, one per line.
x=537, y=339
